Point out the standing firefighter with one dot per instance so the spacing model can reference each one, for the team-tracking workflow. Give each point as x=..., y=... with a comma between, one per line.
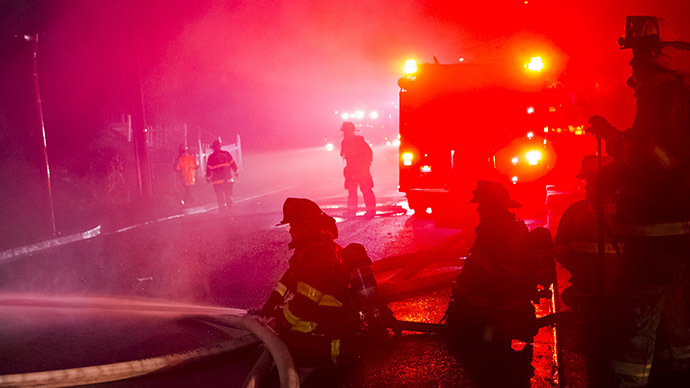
x=652, y=214
x=219, y=171
x=358, y=157
x=186, y=165
x=309, y=303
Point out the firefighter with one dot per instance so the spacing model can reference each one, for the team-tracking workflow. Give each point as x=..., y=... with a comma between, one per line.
x=576, y=244
x=652, y=215
x=491, y=298
x=219, y=171
x=310, y=302
x=358, y=156
x=186, y=165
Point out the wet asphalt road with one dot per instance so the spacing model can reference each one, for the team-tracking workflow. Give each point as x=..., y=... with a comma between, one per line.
x=230, y=260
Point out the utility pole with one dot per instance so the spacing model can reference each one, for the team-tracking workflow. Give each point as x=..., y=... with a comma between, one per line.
x=33, y=38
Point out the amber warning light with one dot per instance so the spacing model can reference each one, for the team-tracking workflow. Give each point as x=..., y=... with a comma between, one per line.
x=535, y=64
x=410, y=67
x=407, y=159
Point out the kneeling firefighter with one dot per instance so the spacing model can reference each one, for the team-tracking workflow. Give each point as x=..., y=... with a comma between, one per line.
x=318, y=301
x=491, y=298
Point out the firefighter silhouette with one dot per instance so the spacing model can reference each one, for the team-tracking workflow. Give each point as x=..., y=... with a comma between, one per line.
x=358, y=156
x=649, y=323
x=576, y=242
x=219, y=172
x=491, y=298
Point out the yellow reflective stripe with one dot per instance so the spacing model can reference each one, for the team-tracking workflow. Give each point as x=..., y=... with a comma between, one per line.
x=329, y=300
x=309, y=291
x=215, y=166
x=632, y=370
x=280, y=288
x=317, y=296
x=297, y=323
x=664, y=157
x=653, y=230
x=223, y=181
x=590, y=247
x=335, y=350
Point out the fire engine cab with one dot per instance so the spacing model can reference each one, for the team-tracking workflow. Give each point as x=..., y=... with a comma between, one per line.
x=511, y=123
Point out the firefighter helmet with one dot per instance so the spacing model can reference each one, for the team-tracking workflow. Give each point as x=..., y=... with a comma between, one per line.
x=215, y=145
x=589, y=166
x=347, y=127
x=309, y=213
x=650, y=31
x=493, y=194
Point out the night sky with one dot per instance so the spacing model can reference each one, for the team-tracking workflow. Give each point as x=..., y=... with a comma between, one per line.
x=276, y=71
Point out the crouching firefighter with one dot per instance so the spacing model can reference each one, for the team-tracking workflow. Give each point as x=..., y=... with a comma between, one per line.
x=308, y=303
x=491, y=299
x=328, y=295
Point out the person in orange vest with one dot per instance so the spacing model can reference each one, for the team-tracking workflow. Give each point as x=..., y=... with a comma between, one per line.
x=358, y=156
x=310, y=303
x=186, y=165
x=220, y=168
x=650, y=341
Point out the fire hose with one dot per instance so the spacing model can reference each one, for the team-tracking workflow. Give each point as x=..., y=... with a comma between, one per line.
x=235, y=318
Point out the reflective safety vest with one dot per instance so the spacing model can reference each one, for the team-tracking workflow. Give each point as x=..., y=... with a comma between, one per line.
x=186, y=164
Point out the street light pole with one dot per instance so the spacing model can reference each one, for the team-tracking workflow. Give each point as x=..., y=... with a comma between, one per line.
x=33, y=38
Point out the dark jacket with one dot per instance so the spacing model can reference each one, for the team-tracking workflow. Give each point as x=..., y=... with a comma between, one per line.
x=311, y=299
x=220, y=167
x=357, y=154
x=656, y=151
x=500, y=266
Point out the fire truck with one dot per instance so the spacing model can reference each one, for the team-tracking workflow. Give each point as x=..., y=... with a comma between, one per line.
x=512, y=123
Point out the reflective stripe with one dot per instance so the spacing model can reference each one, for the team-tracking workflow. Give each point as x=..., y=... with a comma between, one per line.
x=675, y=353
x=590, y=247
x=317, y=296
x=223, y=181
x=653, y=230
x=329, y=300
x=297, y=323
x=335, y=350
x=215, y=166
x=280, y=288
x=636, y=371
x=309, y=291
x=664, y=157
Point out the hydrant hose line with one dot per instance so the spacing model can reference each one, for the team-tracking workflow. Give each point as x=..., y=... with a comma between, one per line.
x=123, y=370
